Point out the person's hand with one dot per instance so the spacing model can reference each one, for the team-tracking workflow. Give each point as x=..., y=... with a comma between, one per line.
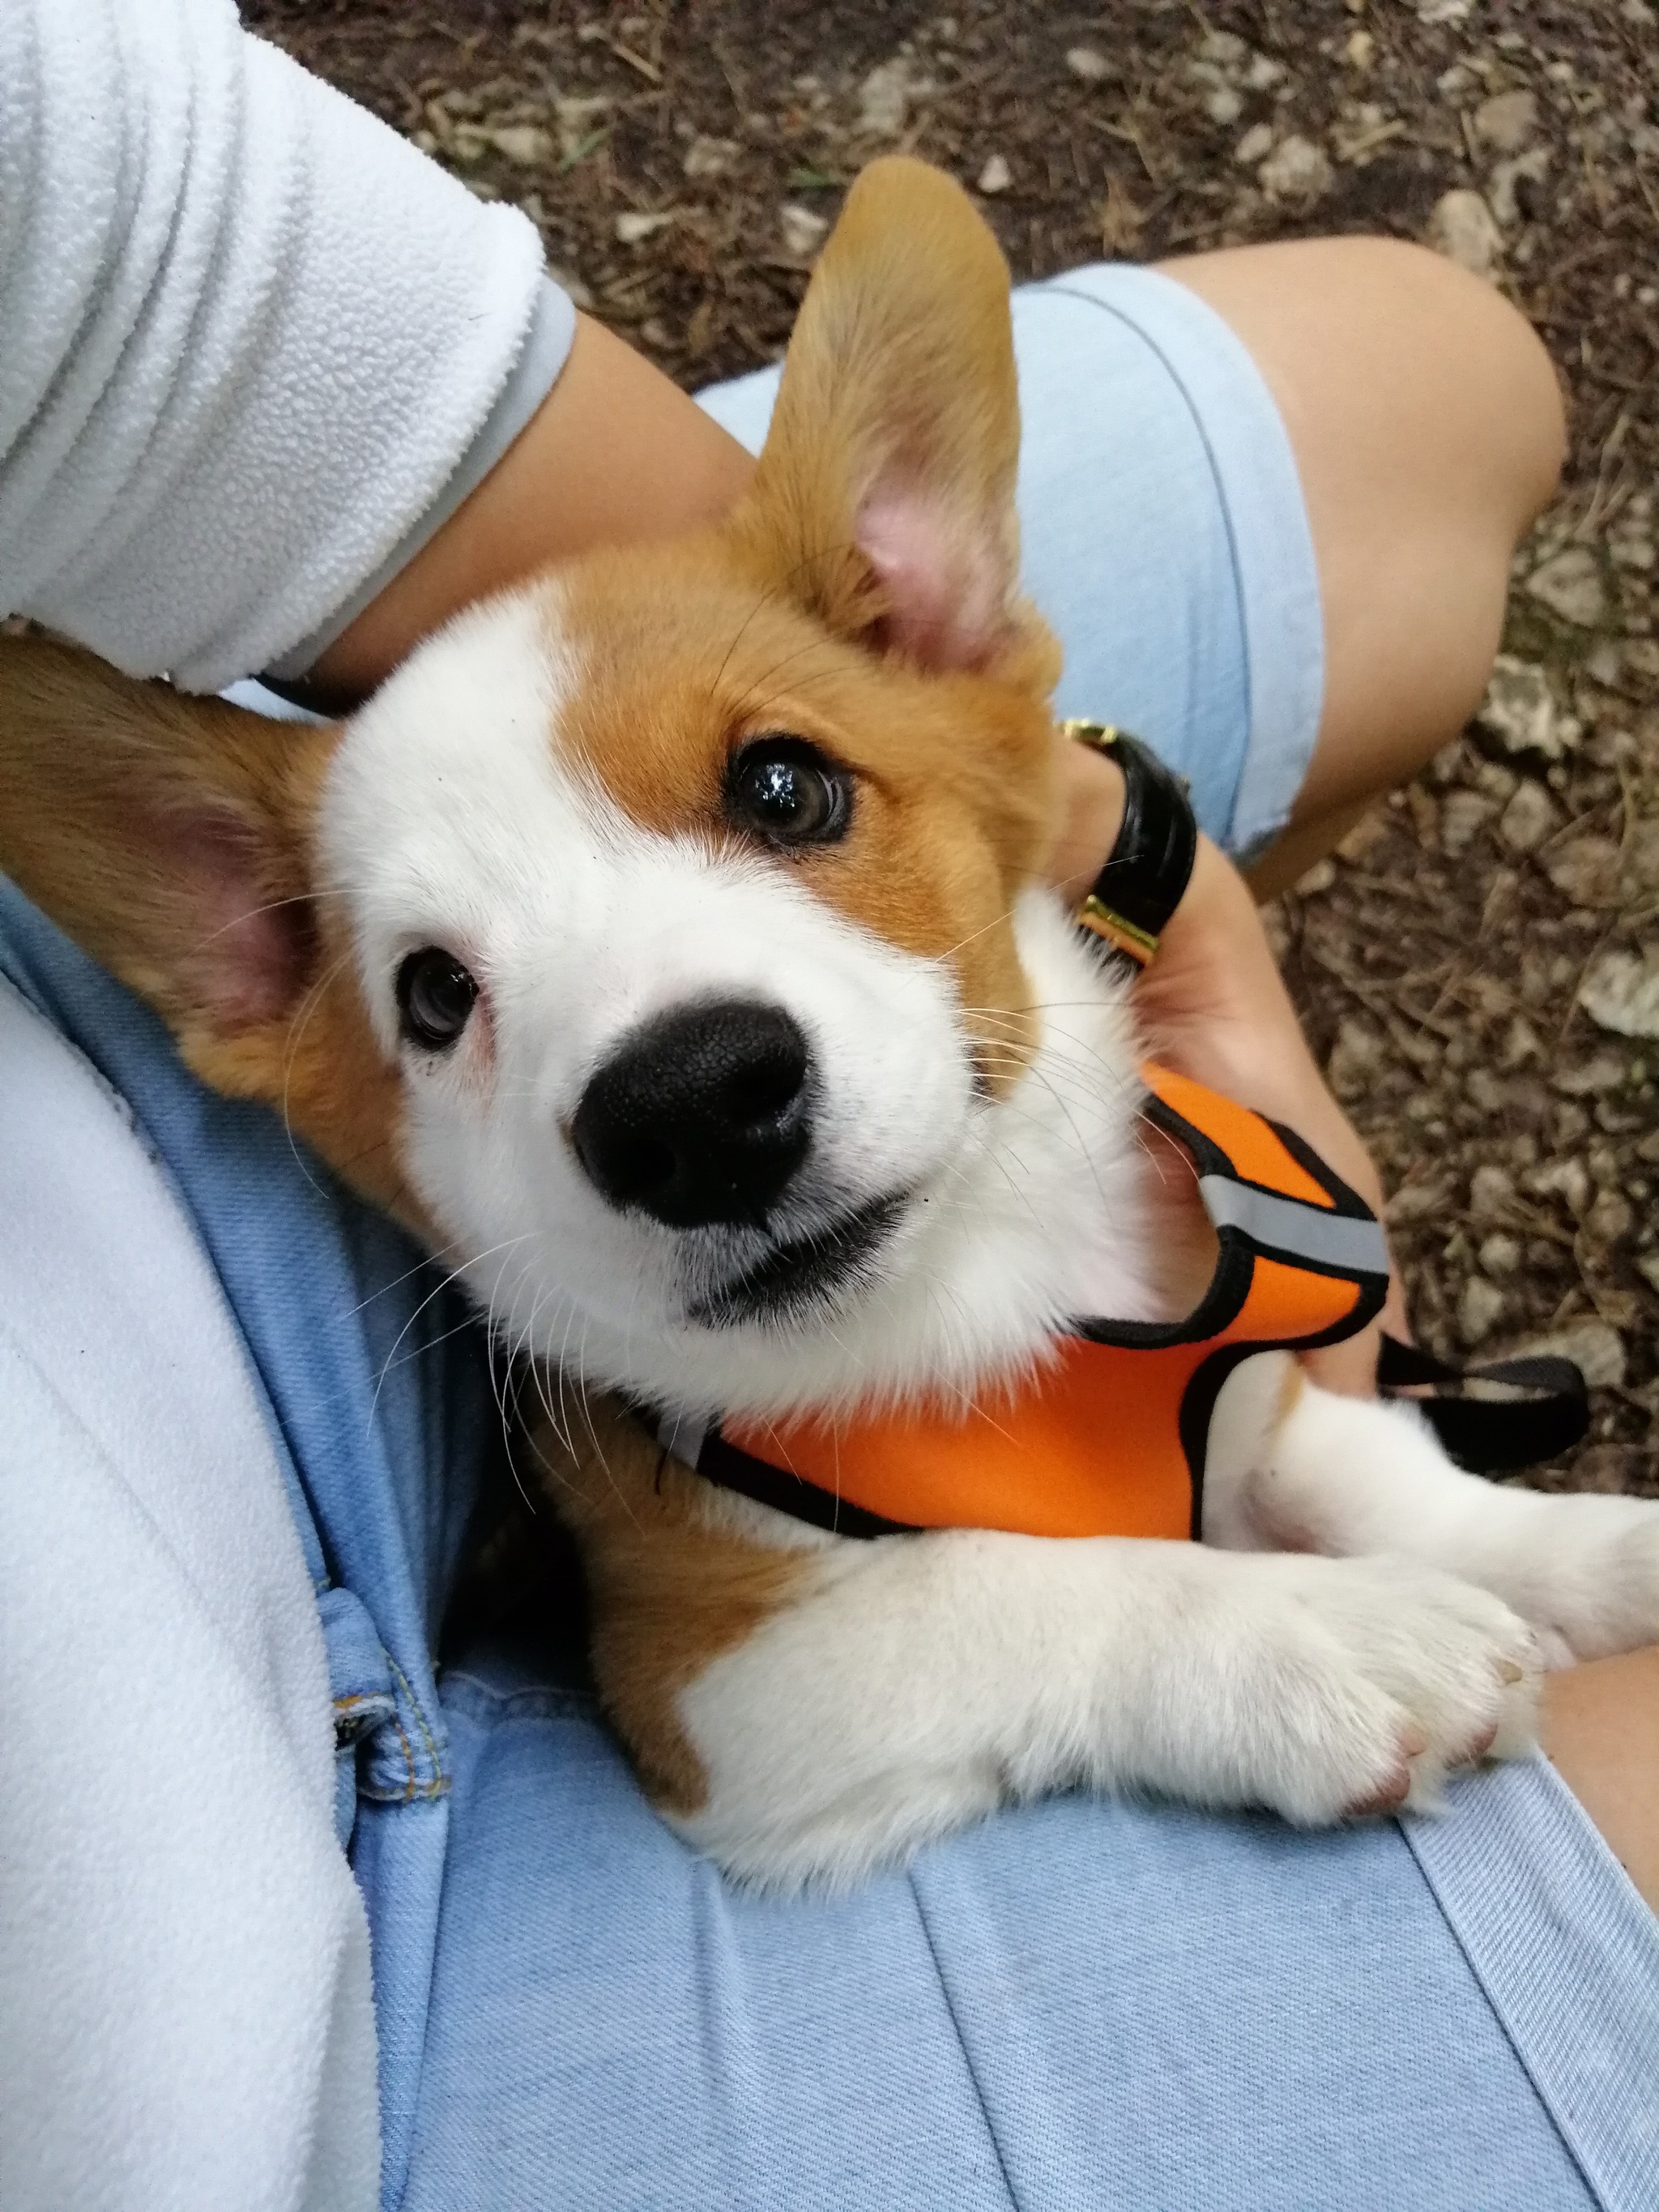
x=1214, y=1005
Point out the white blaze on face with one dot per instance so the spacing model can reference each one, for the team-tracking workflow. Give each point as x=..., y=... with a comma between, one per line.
x=452, y=821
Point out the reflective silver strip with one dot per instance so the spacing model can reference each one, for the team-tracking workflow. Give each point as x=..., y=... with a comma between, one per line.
x=1287, y=1224
x=681, y=1437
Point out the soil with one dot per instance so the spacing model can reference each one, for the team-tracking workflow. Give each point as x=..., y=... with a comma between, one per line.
x=1478, y=964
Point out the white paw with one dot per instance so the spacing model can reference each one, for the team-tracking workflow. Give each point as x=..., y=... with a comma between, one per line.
x=1356, y=1685
x=1585, y=1572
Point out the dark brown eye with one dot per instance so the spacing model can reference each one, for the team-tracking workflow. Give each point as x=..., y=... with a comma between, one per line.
x=788, y=792
x=435, y=998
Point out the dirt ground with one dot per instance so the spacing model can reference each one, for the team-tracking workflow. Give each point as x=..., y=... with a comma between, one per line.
x=1479, y=966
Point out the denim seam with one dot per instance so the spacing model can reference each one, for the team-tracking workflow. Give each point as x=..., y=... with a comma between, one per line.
x=542, y=1702
x=440, y=1782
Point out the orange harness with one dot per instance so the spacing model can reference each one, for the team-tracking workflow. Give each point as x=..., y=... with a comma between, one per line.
x=1109, y=1438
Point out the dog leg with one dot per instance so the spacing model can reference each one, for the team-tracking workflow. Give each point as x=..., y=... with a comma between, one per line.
x=916, y=1682
x=1355, y=1476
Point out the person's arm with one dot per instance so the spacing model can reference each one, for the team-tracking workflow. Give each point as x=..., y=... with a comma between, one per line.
x=615, y=453
x=1216, y=1006
x=256, y=346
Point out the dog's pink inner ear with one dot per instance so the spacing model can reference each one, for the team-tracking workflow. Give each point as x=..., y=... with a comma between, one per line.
x=943, y=577
x=245, y=951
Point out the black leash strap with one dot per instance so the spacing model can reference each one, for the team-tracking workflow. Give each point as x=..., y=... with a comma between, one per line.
x=1543, y=1410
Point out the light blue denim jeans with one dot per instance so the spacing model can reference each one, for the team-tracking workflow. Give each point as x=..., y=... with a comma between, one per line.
x=1082, y=2004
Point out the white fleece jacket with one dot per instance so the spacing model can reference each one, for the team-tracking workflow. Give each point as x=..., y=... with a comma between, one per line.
x=253, y=347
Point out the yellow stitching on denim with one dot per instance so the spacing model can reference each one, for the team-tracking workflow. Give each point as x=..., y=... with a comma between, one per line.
x=440, y=1783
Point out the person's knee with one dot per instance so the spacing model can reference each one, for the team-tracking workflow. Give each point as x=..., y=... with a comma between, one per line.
x=1476, y=366
x=1408, y=386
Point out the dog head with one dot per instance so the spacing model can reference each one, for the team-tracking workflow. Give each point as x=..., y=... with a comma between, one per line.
x=661, y=940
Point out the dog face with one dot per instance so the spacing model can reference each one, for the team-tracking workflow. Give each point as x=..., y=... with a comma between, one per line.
x=659, y=940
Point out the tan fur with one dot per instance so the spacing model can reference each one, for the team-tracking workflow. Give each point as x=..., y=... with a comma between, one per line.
x=104, y=785
x=903, y=361
x=669, y=1592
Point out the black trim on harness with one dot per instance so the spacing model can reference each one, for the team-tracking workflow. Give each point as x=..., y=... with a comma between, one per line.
x=1198, y=1399
x=1230, y=1286
x=725, y=1465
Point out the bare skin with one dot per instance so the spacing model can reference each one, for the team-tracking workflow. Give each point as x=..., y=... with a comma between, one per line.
x=1601, y=1733
x=1427, y=428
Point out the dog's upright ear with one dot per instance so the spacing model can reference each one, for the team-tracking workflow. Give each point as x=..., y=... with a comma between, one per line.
x=884, y=500
x=168, y=836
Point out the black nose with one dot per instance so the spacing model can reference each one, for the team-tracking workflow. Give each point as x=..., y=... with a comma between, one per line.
x=702, y=1117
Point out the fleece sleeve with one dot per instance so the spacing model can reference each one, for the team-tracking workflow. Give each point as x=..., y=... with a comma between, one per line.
x=186, y=2013
x=253, y=347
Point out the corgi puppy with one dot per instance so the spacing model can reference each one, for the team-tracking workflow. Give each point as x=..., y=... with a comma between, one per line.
x=666, y=944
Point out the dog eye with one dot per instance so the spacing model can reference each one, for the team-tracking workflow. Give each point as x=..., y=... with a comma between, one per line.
x=435, y=996
x=786, y=791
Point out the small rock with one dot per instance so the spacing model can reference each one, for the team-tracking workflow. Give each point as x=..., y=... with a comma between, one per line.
x=995, y=177
x=1224, y=105
x=1483, y=1089
x=1417, y=1201
x=1529, y=818
x=885, y=95
x=1609, y=1218
x=1506, y=121
x=1500, y=1255
x=1565, y=1179
x=1521, y=1043
x=1647, y=1267
x=1620, y=993
x=1319, y=877
x=1586, y=871
x=1512, y=181
x=526, y=143
x=1595, y=1349
x=1263, y=73
x=1254, y=146
x=709, y=157
x=1478, y=1310
x=803, y=231
x=1361, y=50
x=633, y=229
x=1497, y=781
x=1367, y=833
x=1491, y=1192
x=1604, y=662
x=1355, y=1058
x=1464, y=229
x=1605, y=1072
x=1569, y=585
x=1463, y=815
x=1224, y=48
x=1519, y=710
x=1444, y=11
x=1297, y=170
x=1633, y=549
x=1089, y=64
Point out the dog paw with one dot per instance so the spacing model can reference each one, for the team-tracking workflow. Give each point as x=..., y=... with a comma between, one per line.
x=1359, y=1684
x=1584, y=1570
